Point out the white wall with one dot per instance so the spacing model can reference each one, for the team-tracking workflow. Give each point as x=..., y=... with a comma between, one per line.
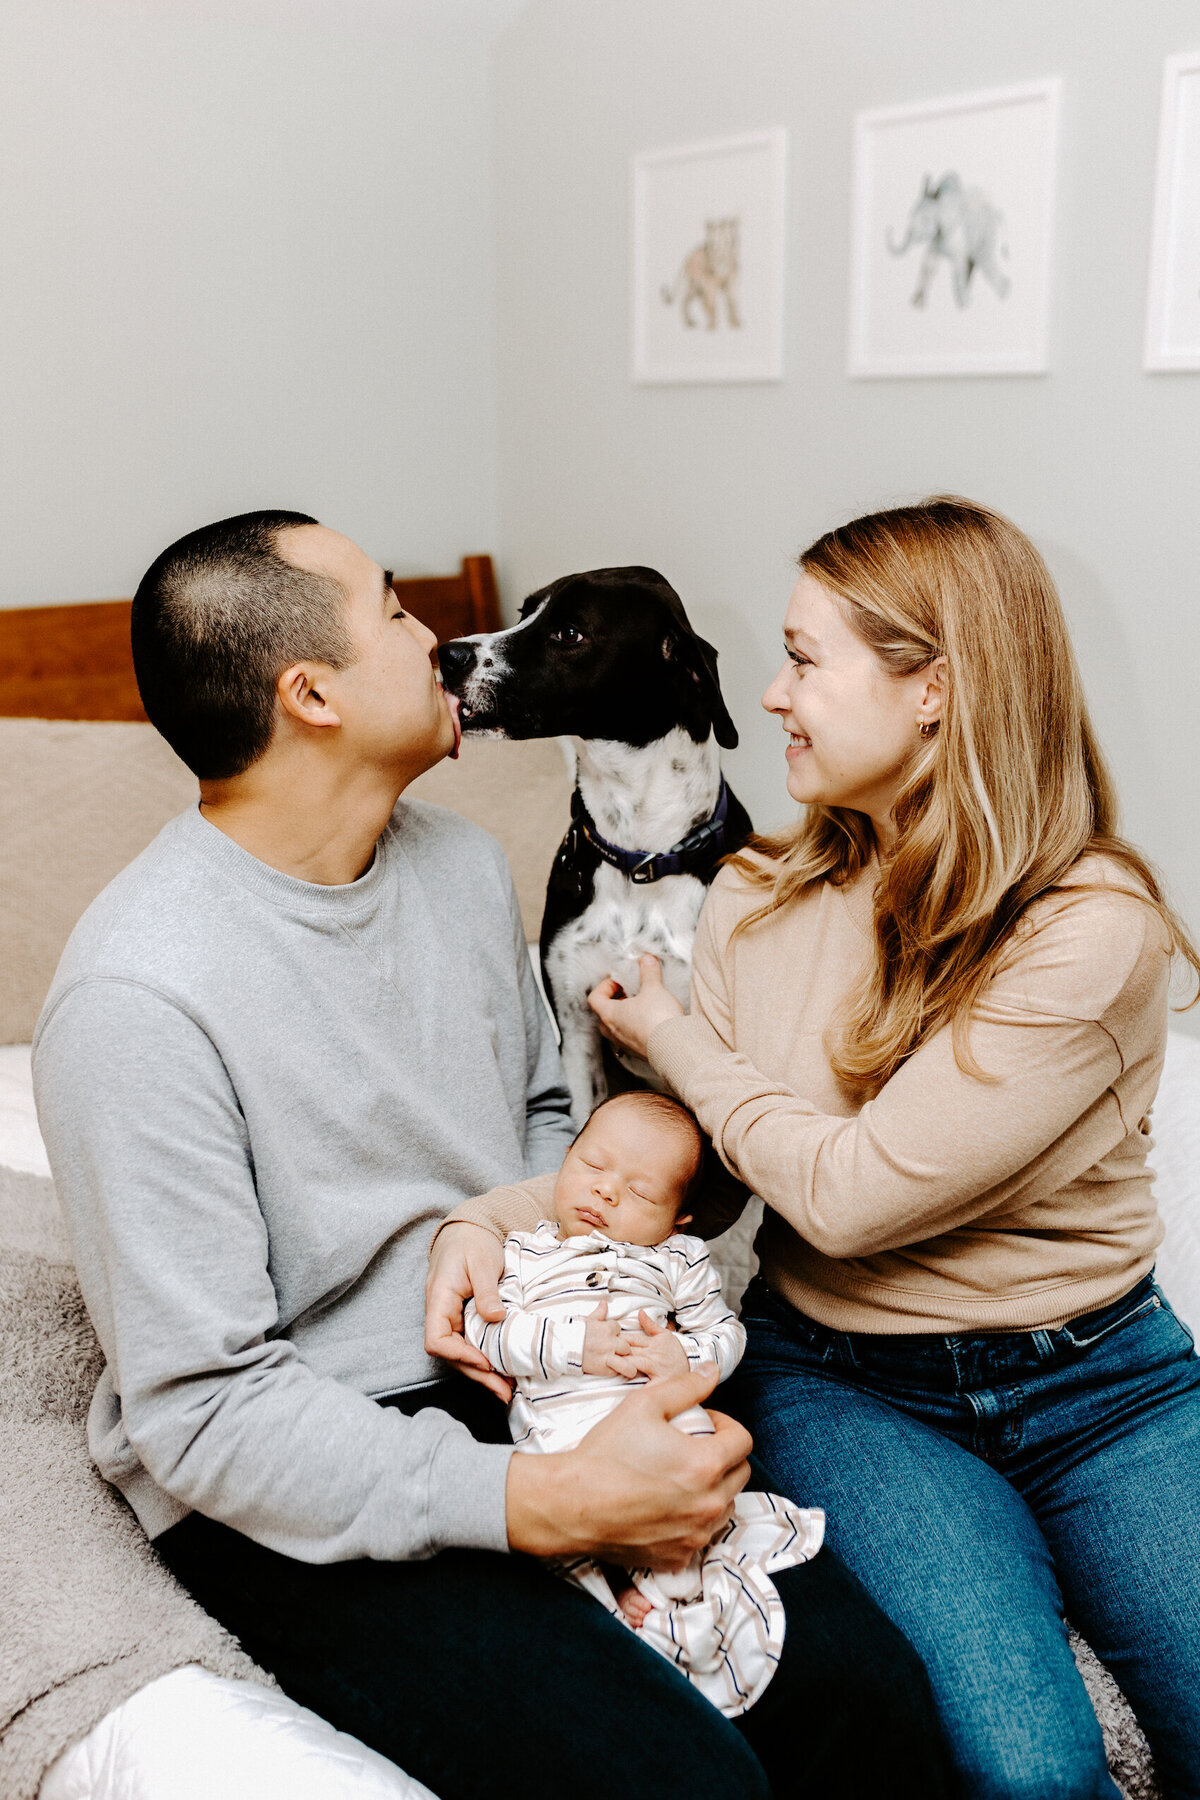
x=720, y=486
x=245, y=260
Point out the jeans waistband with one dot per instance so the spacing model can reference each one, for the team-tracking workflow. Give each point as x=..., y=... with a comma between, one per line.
x=928, y=1352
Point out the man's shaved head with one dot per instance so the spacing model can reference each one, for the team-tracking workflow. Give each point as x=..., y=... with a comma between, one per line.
x=217, y=619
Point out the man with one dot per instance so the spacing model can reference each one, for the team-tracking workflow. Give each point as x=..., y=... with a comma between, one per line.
x=280, y=1047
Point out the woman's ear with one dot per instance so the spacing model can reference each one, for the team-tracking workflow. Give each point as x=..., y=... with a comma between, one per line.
x=931, y=698
x=301, y=693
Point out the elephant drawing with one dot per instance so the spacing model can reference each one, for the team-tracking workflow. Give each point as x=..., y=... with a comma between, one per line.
x=961, y=224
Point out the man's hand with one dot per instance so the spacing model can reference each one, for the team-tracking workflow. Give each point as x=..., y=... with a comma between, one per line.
x=627, y=1021
x=655, y=1350
x=604, y=1351
x=465, y=1261
x=636, y=1492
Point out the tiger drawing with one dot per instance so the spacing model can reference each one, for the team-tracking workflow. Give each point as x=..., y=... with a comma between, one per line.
x=709, y=272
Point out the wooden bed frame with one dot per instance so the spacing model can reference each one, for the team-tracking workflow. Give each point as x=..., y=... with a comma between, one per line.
x=74, y=662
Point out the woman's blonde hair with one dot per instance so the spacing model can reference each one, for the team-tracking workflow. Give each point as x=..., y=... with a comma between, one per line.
x=997, y=806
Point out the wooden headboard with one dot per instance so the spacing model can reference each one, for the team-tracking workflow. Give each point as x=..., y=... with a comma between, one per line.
x=74, y=662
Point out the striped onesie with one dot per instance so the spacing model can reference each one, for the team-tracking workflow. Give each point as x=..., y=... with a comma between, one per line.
x=720, y=1620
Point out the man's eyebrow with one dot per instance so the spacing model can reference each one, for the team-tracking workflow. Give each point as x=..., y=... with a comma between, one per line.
x=388, y=594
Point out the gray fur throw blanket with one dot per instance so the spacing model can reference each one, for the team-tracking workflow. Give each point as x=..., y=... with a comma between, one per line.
x=88, y=1614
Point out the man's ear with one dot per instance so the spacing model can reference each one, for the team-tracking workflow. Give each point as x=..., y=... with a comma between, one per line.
x=700, y=660
x=301, y=691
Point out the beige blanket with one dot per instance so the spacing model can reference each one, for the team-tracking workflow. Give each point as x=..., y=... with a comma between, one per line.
x=88, y=1614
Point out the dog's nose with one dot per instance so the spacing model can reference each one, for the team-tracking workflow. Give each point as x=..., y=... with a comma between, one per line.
x=456, y=660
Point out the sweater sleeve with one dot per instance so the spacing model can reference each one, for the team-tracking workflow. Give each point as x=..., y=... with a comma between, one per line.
x=518, y=1206
x=529, y=1346
x=936, y=1148
x=151, y=1158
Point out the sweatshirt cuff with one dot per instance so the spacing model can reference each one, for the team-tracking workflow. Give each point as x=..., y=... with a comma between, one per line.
x=678, y=1048
x=467, y=1486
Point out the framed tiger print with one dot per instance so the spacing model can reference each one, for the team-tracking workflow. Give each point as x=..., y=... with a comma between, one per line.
x=708, y=260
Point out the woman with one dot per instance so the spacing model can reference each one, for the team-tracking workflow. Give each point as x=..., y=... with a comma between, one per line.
x=926, y=1027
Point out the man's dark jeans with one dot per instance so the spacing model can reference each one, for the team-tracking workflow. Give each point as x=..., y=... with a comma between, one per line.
x=485, y=1674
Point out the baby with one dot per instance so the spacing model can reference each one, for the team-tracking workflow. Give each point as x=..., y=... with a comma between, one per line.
x=590, y=1299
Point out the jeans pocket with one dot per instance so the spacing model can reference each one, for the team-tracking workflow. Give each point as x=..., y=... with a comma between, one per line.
x=1169, y=1312
x=1100, y=1329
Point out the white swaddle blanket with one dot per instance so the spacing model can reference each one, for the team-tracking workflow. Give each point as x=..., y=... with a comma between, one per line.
x=720, y=1620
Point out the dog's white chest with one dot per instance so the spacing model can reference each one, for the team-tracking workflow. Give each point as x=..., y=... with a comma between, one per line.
x=624, y=921
x=650, y=798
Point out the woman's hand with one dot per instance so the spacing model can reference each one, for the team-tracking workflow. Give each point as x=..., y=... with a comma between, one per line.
x=466, y=1262
x=627, y=1021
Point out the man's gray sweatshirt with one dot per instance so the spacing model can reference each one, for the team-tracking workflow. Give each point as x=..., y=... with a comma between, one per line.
x=259, y=1096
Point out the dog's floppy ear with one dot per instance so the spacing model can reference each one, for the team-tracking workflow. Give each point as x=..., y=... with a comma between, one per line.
x=699, y=658
x=692, y=652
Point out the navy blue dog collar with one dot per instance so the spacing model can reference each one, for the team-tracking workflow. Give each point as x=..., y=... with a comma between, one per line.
x=701, y=844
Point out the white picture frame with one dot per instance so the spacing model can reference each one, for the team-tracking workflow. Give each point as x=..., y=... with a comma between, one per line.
x=708, y=226
x=952, y=234
x=1173, y=303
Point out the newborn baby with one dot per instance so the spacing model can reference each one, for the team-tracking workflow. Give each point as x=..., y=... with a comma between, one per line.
x=590, y=1299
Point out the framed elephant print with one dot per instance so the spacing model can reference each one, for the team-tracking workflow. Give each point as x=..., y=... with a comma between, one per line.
x=1173, y=314
x=952, y=234
x=708, y=235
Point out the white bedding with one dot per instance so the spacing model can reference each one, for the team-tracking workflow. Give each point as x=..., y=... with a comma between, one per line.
x=21, y=1145
x=196, y=1736
x=1175, y=1158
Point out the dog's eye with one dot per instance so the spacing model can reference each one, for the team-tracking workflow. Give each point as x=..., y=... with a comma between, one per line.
x=568, y=634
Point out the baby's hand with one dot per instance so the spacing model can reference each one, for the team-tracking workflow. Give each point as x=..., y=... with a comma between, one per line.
x=604, y=1349
x=656, y=1350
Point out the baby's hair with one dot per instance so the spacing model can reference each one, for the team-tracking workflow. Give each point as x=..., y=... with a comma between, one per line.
x=647, y=1100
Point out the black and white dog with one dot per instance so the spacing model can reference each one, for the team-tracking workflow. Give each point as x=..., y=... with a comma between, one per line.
x=608, y=657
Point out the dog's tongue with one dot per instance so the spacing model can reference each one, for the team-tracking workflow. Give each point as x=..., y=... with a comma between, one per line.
x=452, y=703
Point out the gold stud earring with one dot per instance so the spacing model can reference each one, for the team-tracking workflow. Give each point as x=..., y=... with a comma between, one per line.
x=927, y=728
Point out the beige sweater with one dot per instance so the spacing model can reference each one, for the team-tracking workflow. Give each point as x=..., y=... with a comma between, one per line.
x=945, y=1202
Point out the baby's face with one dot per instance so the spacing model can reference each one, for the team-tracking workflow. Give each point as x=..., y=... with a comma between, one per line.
x=625, y=1176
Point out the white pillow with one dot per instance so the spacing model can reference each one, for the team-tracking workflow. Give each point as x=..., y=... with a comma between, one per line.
x=21, y=1145
x=1175, y=1159
x=195, y=1736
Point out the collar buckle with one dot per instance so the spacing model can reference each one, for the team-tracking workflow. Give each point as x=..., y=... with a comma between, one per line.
x=644, y=868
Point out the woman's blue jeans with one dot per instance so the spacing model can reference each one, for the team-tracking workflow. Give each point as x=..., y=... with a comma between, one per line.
x=980, y=1486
